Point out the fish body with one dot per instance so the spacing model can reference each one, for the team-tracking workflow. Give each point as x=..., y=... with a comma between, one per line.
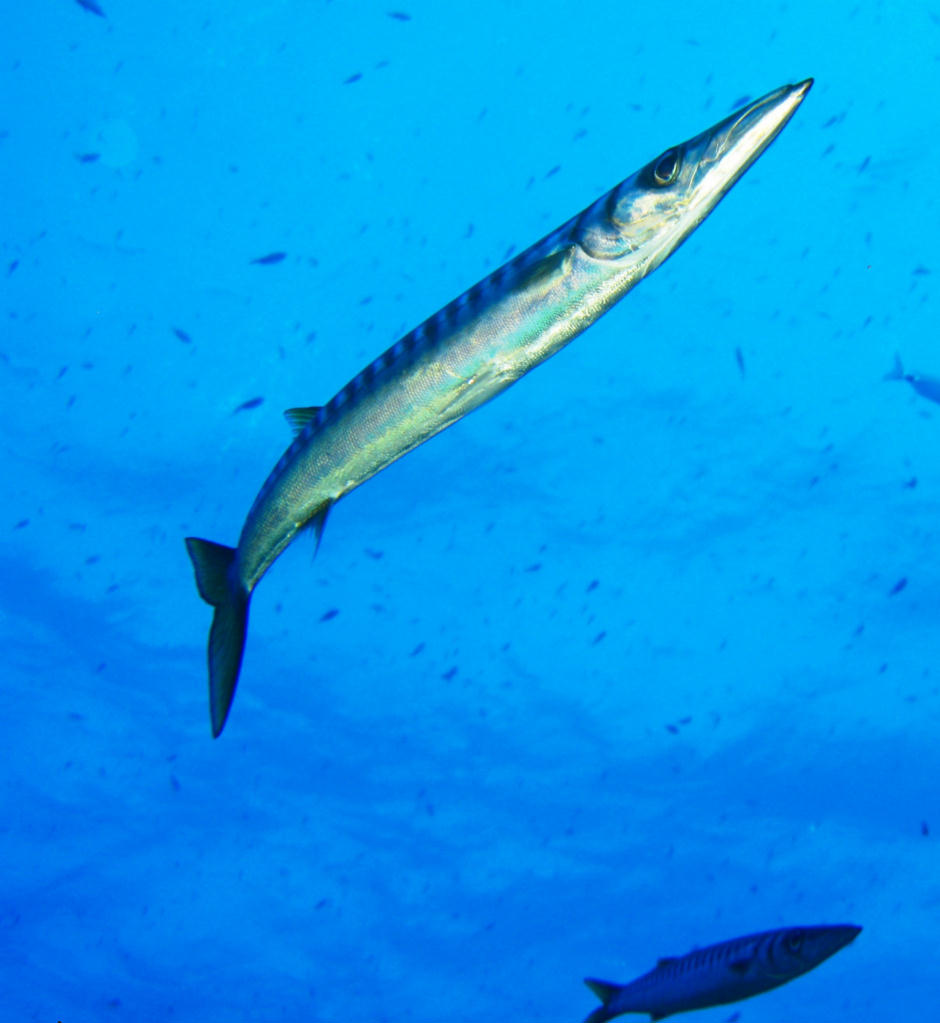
x=471, y=350
x=270, y=259
x=722, y=973
x=926, y=387
x=91, y=7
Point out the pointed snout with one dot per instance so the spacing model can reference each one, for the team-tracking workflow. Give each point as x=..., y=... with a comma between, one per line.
x=847, y=933
x=836, y=937
x=763, y=119
x=723, y=153
x=743, y=136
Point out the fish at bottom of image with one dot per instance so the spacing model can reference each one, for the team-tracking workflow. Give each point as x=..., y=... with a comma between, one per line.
x=726, y=972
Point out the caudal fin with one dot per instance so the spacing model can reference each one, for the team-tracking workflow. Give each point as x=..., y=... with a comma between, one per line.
x=897, y=370
x=213, y=563
x=605, y=991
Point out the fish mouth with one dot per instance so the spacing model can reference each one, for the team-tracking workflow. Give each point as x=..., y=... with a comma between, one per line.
x=848, y=932
x=727, y=149
x=837, y=936
x=660, y=218
x=757, y=125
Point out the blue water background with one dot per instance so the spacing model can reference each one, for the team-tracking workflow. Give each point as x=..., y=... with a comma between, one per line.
x=640, y=656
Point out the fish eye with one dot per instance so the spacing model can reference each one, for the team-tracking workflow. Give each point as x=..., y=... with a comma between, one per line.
x=794, y=941
x=666, y=168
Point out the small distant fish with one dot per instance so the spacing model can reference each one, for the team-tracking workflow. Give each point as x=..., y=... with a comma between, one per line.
x=91, y=7
x=722, y=973
x=269, y=260
x=926, y=387
x=182, y=335
x=13, y=265
x=87, y=157
x=739, y=359
x=352, y=78
x=249, y=404
x=399, y=15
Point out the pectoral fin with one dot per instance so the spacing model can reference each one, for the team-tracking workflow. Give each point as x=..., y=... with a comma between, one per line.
x=543, y=274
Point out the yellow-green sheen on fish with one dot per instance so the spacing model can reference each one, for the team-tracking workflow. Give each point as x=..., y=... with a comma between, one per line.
x=470, y=351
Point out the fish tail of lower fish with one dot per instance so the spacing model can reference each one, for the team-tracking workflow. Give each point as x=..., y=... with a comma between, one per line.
x=897, y=370
x=219, y=586
x=600, y=1015
x=606, y=992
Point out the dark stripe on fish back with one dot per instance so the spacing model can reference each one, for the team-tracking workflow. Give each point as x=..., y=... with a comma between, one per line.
x=610, y=206
x=424, y=337
x=432, y=328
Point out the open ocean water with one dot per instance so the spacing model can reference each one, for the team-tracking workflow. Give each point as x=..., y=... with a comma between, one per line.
x=640, y=656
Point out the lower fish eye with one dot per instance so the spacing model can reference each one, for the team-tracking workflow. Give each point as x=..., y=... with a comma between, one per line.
x=666, y=167
x=794, y=942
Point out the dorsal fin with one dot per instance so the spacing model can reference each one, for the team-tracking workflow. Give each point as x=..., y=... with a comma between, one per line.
x=299, y=417
x=604, y=989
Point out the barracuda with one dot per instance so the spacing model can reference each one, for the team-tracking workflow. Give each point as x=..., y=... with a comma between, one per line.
x=469, y=352
x=727, y=972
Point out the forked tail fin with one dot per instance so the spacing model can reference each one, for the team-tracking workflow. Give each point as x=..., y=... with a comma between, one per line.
x=218, y=586
x=897, y=370
x=605, y=991
x=600, y=1015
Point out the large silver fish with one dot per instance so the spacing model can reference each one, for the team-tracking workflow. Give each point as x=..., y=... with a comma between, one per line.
x=469, y=352
x=722, y=973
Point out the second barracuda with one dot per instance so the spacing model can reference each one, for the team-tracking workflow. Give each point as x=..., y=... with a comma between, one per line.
x=727, y=972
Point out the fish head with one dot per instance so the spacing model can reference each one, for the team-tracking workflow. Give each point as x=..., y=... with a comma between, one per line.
x=648, y=216
x=794, y=950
